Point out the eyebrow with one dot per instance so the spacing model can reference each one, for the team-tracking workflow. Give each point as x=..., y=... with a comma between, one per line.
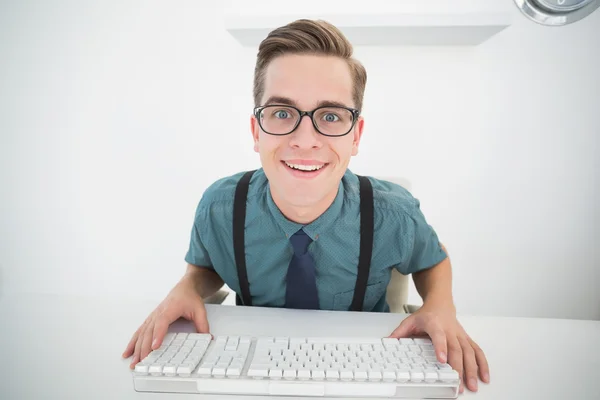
x=290, y=102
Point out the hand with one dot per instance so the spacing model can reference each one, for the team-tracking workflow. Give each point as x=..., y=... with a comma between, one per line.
x=448, y=338
x=182, y=301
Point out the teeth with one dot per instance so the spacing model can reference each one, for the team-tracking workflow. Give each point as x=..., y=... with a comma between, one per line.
x=305, y=167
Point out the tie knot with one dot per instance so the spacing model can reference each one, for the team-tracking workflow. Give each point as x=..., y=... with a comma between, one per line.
x=300, y=241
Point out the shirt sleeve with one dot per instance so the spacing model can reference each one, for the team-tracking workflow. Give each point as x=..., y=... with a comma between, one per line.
x=197, y=253
x=424, y=248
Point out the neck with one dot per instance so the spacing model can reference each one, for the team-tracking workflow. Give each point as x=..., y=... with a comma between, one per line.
x=303, y=214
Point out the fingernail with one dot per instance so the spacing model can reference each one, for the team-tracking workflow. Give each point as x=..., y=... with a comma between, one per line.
x=486, y=377
x=473, y=383
x=154, y=344
x=443, y=356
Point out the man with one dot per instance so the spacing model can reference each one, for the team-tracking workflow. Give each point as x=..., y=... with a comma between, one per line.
x=303, y=231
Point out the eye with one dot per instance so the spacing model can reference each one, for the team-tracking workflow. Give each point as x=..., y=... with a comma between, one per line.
x=282, y=114
x=330, y=117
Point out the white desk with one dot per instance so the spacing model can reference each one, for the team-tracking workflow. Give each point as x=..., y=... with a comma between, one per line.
x=59, y=347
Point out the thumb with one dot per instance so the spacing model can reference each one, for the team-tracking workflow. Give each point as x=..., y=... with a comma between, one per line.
x=406, y=328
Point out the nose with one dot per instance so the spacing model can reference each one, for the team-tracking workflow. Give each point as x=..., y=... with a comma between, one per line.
x=305, y=136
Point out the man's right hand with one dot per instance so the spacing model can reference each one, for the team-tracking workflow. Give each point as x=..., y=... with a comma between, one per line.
x=182, y=301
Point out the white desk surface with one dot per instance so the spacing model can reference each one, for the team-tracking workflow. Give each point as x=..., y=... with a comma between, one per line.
x=65, y=347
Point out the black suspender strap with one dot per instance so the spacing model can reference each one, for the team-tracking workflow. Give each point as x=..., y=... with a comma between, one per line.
x=366, y=242
x=239, y=219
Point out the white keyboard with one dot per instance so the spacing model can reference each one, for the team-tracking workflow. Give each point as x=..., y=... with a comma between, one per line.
x=296, y=366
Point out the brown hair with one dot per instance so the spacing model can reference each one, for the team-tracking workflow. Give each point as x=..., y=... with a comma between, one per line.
x=308, y=37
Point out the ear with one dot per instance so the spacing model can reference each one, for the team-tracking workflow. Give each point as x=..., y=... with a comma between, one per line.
x=254, y=128
x=358, y=130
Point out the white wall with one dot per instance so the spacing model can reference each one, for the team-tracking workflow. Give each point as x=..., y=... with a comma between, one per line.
x=115, y=116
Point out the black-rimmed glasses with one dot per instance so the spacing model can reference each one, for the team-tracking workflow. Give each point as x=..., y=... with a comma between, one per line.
x=284, y=119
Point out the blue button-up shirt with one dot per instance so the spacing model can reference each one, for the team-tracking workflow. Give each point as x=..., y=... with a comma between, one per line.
x=402, y=240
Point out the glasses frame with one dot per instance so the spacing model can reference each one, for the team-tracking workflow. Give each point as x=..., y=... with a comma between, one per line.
x=355, y=114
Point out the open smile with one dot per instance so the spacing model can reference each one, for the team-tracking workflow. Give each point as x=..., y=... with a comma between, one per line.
x=305, y=169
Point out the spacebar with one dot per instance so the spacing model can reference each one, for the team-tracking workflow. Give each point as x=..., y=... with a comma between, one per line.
x=297, y=388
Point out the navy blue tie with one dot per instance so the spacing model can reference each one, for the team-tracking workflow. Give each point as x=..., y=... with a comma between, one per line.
x=301, y=278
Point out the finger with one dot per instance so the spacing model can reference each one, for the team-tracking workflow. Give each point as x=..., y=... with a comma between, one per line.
x=160, y=330
x=484, y=369
x=146, y=341
x=455, y=359
x=406, y=328
x=165, y=317
x=438, y=338
x=131, y=345
x=470, y=364
x=138, y=345
x=200, y=320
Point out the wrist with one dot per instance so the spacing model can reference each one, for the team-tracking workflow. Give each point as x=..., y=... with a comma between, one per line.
x=192, y=280
x=440, y=303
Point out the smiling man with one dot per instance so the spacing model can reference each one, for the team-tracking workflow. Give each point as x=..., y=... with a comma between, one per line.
x=303, y=231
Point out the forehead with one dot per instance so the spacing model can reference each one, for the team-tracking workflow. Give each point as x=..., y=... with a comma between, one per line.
x=309, y=79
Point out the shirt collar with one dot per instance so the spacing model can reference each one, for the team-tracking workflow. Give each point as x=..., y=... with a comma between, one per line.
x=315, y=228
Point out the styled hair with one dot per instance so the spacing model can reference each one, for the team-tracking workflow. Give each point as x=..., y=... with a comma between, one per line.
x=306, y=36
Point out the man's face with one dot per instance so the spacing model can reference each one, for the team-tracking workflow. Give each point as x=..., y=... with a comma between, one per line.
x=306, y=81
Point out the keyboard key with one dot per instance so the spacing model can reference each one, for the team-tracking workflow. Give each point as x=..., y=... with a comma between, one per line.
x=403, y=375
x=289, y=373
x=417, y=375
x=141, y=368
x=448, y=375
x=422, y=341
x=233, y=371
x=258, y=371
x=185, y=369
x=304, y=373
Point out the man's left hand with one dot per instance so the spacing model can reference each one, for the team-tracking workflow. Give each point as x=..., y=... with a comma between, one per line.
x=451, y=343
